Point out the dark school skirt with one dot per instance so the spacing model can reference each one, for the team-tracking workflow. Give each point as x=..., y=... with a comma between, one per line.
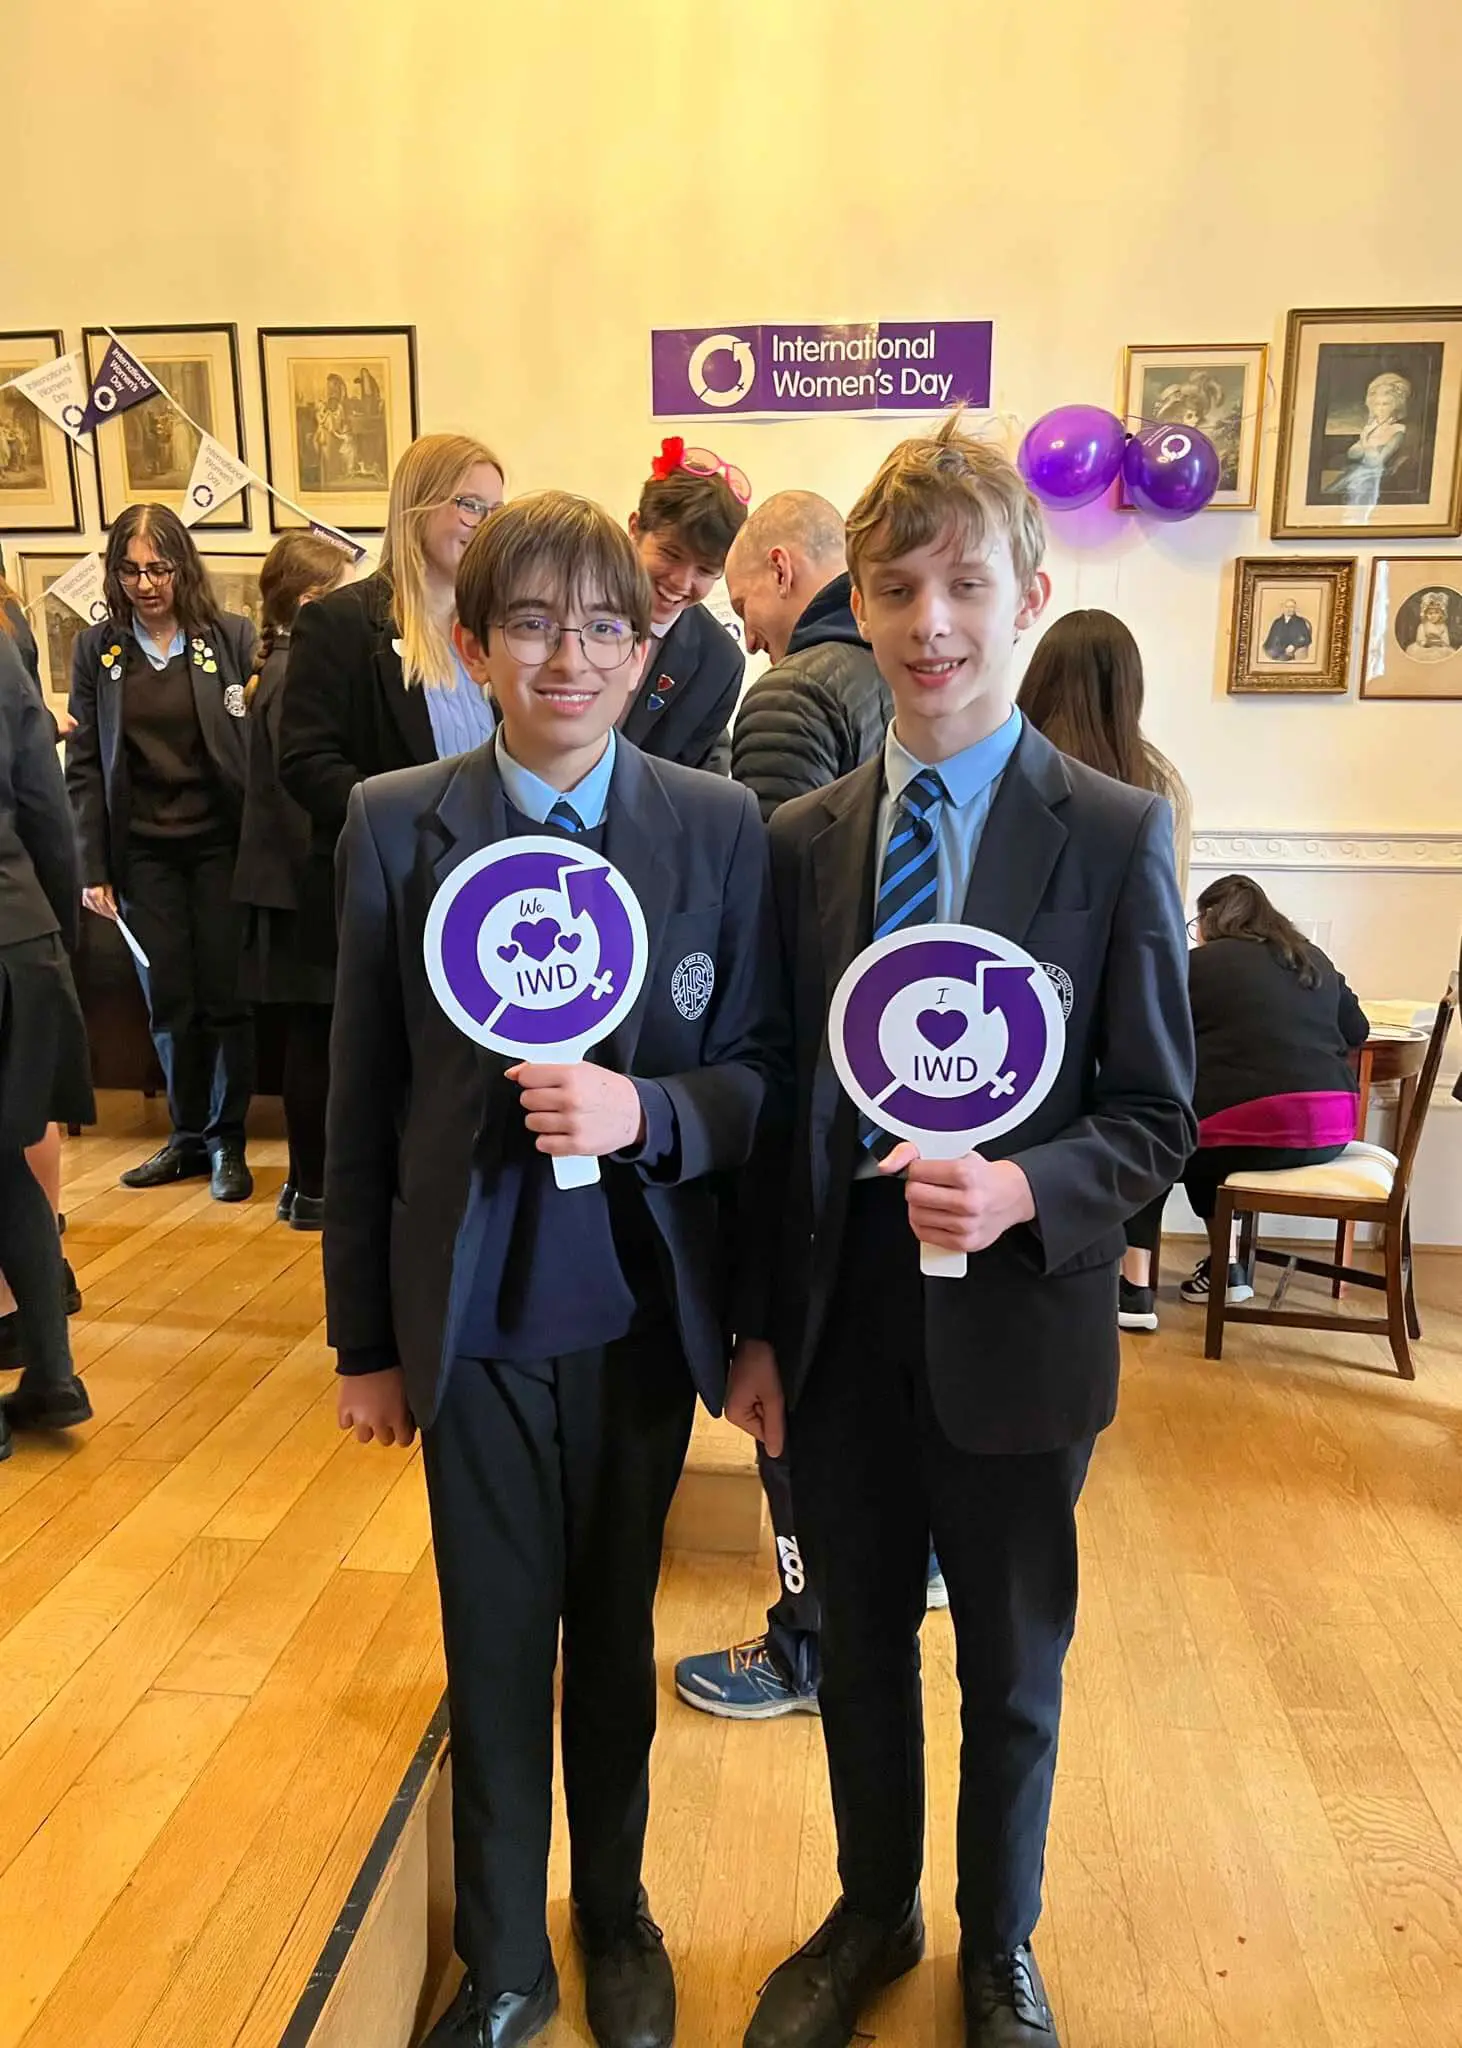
x=45, y=1067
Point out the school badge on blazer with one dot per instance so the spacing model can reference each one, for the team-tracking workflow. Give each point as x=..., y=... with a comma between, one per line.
x=692, y=985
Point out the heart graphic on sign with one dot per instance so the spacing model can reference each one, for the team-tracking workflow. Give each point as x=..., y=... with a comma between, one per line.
x=508, y=952
x=537, y=939
x=943, y=1028
x=571, y=941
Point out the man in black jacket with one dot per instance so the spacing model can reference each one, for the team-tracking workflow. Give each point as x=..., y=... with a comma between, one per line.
x=822, y=709
x=817, y=714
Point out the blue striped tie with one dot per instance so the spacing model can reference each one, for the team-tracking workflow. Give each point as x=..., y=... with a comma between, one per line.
x=565, y=817
x=908, y=887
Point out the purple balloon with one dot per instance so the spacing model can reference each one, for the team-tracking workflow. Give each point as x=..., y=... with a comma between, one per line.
x=1171, y=472
x=1071, y=455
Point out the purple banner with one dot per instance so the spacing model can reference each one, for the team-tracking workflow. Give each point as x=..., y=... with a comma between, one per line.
x=770, y=371
x=120, y=382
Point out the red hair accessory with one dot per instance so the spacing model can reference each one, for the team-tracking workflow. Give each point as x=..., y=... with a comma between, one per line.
x=670, y=458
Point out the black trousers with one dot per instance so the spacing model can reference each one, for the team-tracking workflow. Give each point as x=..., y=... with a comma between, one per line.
x=178, y=903
x=30, y=1258
x=874, y=1475
x=1208, y=1169
x=795, y=1619
x=306, y=1090
x=549, y=1485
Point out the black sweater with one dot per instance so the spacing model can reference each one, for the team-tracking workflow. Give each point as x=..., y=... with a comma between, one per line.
x=1260, y=1033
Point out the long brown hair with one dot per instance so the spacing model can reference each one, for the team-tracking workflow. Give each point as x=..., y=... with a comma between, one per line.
x=428, y=474
x=1084, y=691
x=297, y=566
x=194, y=605
x=1235, y=907
x=10, y=604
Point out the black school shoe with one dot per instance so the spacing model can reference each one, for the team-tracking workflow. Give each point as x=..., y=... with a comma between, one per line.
x=629, y=1987
x=1005, y=2001
x=230, y=1179
x=307, y=1212
x=37, y=1405
x=814, y=1999
x=189, y=1161
x=286, y=1202
x=507, y=2022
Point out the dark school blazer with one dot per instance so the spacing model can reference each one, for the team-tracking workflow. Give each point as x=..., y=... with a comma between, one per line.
x=40, y=888
x=346, y=713
x=96, y=765
x=1022, y=1353
x=682, y=709
x=416, y=1107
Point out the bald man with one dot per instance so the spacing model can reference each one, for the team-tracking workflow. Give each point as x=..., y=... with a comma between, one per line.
x=821, y=710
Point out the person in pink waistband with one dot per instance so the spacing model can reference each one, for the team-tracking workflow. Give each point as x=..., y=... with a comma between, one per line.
x=1275, y=1024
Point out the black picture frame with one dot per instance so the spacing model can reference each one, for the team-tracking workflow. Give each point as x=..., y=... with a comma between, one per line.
x=94, y=342
x=57, y=343
x=282, y=476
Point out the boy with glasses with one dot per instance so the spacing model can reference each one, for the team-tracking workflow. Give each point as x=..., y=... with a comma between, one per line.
x=549, y=1342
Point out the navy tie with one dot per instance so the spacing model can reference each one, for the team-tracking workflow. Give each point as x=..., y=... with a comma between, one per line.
x=908, y=887
x=565, y=817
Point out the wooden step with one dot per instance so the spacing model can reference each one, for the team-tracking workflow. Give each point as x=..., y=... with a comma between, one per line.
x=718, y=1503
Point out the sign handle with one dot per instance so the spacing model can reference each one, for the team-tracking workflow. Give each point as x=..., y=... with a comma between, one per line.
x=573, y=1172
x=935, y=1263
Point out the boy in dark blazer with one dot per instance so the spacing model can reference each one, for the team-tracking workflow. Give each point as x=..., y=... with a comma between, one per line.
x=549, y=1343
x=682, y=529
x=966, y=1408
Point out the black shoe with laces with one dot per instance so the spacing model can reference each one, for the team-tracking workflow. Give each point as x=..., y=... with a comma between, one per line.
x=507, y=2021
x=35, y=1404
x=230, y=1180
x=814, y=1999
x=629, y=1987
x=173, y=1161
x=1005, y=2001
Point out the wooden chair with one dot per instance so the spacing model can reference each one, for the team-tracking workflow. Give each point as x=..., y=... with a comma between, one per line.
x=1364, y=1185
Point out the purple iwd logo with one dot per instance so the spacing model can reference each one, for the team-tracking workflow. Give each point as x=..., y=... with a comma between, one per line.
x=536, y=946
x=948, y=1035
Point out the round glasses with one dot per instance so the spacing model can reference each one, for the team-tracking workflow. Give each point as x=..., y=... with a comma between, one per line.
x=473, y=510
x=607, y=643
x=701, y=462
x=132, y=573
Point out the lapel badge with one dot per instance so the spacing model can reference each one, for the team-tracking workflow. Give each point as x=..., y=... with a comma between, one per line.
x=197, y=644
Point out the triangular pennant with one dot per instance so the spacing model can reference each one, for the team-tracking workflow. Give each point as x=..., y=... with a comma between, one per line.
x=119, y=383
x=57, y=389
x=83, y=587
x=217, y=477
x=342, y=540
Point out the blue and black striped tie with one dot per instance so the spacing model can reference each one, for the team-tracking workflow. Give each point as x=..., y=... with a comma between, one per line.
x=565, y=817
x=908, y=887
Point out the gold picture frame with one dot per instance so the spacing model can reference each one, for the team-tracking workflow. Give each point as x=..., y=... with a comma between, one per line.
x=1370, y=425
x=340, y=410
x=145, y=455
x=1412, y=650
x=1292, y=622
x=235, y=581
x=39, y=490
x=56, y=627
x=1221, y=388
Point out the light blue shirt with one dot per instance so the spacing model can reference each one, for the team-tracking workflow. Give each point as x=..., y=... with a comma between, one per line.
x=971, y=779
x=155, y=652
x=461, y=719
x=535, y=798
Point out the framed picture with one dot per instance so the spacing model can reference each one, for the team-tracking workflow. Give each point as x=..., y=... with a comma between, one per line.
x=339, y=412
x=56, y=627
x=145, y=456
x=235, y=580
x=1221, y=389
x=1370, y=426
x=38, y=489
x=1413, y=643
x=1291, y=631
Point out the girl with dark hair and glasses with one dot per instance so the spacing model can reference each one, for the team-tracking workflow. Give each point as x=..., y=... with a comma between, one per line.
x=691, y=509
x=155, y=768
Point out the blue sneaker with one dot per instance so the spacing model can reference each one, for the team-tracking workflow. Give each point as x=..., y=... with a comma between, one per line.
x=745, y=1683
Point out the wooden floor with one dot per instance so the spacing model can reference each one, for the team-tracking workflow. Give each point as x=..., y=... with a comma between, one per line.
x=218, y=1649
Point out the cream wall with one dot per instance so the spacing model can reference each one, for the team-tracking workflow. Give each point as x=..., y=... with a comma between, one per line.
x=536, y=185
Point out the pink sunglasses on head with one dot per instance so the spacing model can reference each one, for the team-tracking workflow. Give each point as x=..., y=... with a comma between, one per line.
x=701, y=462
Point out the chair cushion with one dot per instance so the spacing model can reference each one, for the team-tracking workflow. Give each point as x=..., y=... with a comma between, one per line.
x=1361, y=1173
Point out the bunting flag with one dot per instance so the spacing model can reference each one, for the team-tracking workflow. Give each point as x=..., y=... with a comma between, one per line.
x=57, y=389
x=119, y=383
x=83, y=587
x=217, y=477
x=342, y=540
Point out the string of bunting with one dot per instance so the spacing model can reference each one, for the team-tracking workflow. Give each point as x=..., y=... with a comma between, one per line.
x=59, y=390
